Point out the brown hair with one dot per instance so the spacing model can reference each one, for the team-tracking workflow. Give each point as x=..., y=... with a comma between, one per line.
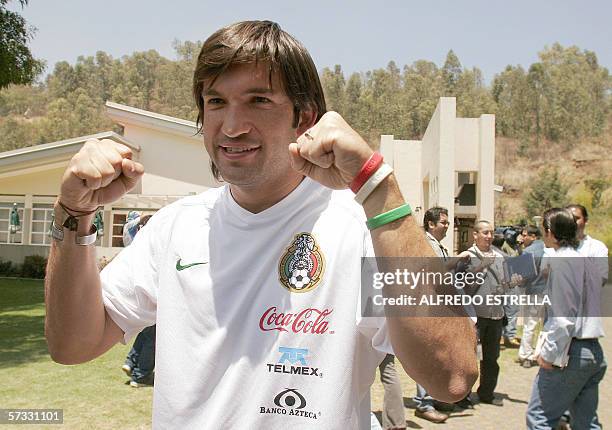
x=254, y=41
x=433, y=215
x=561, y=223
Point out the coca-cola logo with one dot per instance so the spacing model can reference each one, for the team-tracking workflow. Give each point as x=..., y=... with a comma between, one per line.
x=308, y=321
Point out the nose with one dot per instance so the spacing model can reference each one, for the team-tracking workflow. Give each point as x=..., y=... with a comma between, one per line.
x=235, y=122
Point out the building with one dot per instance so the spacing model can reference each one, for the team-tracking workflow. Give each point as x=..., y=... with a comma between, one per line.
x=453, y=166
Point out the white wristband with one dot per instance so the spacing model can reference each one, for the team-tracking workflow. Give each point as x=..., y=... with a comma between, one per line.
x=373, y=181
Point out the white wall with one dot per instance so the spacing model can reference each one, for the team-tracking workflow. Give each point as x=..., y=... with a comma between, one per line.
x=174, y=165
x=467, y=142
x=485, y=197
x=450, y=145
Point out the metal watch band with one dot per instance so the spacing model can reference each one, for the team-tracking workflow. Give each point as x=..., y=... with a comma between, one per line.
x=58, y=234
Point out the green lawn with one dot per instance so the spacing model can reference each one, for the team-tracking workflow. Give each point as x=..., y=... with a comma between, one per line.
x=93, y=395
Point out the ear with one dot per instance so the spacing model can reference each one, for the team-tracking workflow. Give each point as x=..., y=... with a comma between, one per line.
x=307, y=119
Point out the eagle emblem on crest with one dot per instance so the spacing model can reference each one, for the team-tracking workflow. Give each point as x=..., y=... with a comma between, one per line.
x=302, y=265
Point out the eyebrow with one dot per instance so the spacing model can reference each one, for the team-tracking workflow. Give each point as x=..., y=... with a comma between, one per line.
x=257, y=90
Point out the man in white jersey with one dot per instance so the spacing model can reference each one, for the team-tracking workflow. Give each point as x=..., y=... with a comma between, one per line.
x=589, y=247
x=254, y=286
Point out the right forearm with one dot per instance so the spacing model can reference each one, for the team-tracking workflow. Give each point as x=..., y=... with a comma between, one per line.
x=75, y=316
x=76, y=325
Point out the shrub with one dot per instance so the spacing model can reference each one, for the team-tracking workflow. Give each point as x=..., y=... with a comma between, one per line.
x=7, y=268
x=33, y=267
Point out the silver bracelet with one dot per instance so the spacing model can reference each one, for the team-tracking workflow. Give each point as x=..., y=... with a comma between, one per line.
x=57, y=233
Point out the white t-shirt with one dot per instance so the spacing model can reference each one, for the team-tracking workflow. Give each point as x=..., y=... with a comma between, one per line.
x=590, y=247
x=257, y=315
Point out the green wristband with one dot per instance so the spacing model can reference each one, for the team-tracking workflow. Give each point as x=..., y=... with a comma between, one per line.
x=387, y=217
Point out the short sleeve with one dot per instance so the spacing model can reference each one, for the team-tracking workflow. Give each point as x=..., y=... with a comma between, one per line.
x=374, y=327
x=130, y=282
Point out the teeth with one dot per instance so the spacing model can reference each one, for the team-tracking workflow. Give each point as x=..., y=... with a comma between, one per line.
x=237, y=150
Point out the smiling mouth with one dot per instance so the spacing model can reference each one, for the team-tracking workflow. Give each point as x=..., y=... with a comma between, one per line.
x=237, y=150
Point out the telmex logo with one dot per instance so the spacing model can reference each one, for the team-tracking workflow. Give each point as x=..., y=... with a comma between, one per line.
x=293, y=356
x=289, y=402
x=307, y=321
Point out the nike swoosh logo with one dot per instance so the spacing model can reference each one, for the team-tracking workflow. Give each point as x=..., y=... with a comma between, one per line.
x=180, y=267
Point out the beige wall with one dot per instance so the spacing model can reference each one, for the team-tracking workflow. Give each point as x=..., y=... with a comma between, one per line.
x=485, y=198
x=39, y=183
x=427, y=169
x=467, y=142
x=174, y=164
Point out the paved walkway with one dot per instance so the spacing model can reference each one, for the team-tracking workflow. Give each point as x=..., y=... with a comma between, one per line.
x=514, y=386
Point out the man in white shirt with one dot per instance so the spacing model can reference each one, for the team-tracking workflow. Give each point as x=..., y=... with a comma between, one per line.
x=588, y=246
x=254, y=286
x=571, y=359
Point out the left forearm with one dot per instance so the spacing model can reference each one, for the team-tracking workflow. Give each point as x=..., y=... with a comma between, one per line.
x=435, y=344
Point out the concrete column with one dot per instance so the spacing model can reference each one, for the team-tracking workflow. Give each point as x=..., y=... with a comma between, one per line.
x=108, y=225
x=485, y=196
x=386, y=148
x=446, y=165
x=26, y=223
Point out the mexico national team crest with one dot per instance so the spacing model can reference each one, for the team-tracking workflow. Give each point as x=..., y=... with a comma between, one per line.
x=302, y=266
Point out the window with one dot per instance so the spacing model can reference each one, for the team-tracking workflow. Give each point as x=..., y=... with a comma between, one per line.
x=119, y=217
x=42, y=215
x=8, y=233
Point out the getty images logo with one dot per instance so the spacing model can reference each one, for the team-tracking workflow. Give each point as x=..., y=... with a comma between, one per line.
x=290, y=402
x=292, y=361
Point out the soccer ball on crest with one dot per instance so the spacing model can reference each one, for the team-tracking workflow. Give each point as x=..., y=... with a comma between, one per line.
x=299, y=278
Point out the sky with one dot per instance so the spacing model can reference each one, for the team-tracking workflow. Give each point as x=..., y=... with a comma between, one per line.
x=358, y=35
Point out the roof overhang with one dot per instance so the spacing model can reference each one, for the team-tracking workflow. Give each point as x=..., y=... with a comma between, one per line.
x=49, y=156
x=126, y=115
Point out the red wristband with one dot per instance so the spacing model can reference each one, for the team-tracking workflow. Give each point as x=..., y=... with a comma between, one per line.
x=368, y=168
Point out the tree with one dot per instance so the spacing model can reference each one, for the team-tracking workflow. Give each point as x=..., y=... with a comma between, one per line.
x=17, y=65
x=423, y=86
x=353, y=111
x=536, y=83
x=571, y=90
x=333, y=87
x=511, y=93
x=451, y=72
x=547, y=191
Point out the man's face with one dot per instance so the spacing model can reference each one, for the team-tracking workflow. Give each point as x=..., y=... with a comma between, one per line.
x=439, y=230
x=528, y=239
x=248, y=126
x=483, y=237
x=580, y=221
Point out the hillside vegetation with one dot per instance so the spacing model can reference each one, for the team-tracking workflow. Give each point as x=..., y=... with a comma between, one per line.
x=552, y=118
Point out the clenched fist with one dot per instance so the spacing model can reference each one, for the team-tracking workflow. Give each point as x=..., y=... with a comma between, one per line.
x=101, y=172
x=331, y=152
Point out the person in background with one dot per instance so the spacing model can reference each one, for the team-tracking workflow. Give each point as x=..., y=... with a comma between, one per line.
x=532, y=244
x=588, y=246
x=435, y=223
x=498, y=242
x=393, y=416
x=140, y=362
x=511, y=248
x=483, y=258
x=591, y=248
x=571, y=359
